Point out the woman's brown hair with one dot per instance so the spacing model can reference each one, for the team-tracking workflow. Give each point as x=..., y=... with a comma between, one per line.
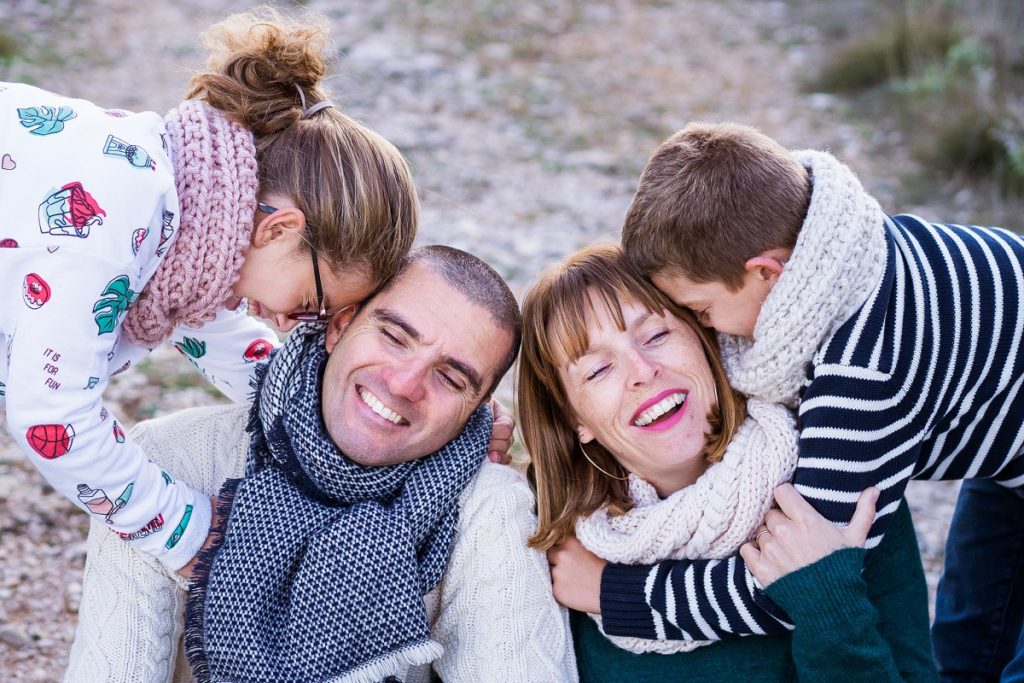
x=353, y=186
x=555, y=331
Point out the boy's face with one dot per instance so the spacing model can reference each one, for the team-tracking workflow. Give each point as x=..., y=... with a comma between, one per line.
x=717, y=306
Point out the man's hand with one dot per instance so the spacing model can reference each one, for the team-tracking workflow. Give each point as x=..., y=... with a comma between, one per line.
x=576, y=576
x=502, y=436
x=795, y=535
x=188, y=571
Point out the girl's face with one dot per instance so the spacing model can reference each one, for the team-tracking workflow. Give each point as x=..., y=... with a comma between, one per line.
x=644, y=393
x=277, y=275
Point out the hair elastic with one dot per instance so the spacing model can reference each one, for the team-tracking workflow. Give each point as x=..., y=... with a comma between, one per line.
x=309, y=111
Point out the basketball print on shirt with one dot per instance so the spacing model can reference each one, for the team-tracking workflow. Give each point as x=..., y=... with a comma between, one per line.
x=70, y=211
x=51, y=441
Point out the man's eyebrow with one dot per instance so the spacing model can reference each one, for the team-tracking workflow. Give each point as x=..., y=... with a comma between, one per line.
x=386, y=315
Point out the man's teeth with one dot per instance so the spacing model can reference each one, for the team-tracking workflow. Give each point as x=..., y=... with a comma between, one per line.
x=660, y=408
x=379, y=408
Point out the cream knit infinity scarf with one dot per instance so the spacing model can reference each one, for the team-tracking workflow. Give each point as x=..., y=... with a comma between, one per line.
x=710, y=519
x=838, y=261
x=216, y=178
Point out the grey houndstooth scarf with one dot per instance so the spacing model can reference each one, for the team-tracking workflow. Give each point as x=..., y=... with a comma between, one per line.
x=324, y=562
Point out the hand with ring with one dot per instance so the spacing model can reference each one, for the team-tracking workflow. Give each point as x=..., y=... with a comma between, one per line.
x=795, y=535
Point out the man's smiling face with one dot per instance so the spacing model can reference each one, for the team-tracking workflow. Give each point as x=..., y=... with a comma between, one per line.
x=406, y=374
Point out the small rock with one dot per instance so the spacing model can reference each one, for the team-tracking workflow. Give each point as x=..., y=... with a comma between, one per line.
x=73, y=597
x=14, y=639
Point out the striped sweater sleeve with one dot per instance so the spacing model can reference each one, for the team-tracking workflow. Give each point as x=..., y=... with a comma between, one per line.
x=911, y=386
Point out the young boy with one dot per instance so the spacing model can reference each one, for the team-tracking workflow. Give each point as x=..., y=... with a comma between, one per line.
x=899, y=340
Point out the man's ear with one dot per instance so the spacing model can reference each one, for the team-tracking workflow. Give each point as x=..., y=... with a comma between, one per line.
x=286, y=222
x=768, y=265
x=337, y=325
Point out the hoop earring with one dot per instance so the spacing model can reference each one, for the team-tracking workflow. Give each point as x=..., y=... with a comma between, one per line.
x=598, y=467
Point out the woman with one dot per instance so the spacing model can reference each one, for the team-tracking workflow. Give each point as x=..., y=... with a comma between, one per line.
x=126, y=230
x=640, y=447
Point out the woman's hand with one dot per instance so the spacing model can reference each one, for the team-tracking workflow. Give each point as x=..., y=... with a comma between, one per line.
x=502, y=435
x=795, y=535
x=576, y=576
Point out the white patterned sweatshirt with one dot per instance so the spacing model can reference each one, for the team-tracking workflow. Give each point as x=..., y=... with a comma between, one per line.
x=89, y=209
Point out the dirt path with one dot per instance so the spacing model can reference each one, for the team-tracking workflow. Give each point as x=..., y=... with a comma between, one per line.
x=527, y=125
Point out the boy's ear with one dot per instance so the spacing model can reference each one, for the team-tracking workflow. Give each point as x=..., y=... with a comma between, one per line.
x=337, y=325
x=768, y=265
x=286, y=222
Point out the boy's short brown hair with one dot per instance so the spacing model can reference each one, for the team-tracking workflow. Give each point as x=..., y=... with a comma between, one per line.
x=712, y=197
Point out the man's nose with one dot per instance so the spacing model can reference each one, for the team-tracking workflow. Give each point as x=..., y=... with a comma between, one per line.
x=642, y=369
x=407, y=379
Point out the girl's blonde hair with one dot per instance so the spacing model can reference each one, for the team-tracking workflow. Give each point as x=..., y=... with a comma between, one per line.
x=555, y=331
x=353, y=186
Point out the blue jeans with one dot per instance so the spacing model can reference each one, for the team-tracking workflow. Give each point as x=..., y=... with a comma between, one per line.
x=979, y=607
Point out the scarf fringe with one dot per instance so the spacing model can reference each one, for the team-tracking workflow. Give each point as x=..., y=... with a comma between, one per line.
x=392, y=664
x=195, y=651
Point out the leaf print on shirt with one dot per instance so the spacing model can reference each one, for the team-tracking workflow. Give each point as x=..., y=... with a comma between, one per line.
x=45, y=120
x=35, y=291
x=193, y=348
x=50, y=441
x=69, y=211
x=136, y=156
x=114, y=302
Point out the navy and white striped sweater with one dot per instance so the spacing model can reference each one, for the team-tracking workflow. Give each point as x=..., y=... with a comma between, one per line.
x=923, y=382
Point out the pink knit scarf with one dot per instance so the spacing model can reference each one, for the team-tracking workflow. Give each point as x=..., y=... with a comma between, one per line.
x=217, y=182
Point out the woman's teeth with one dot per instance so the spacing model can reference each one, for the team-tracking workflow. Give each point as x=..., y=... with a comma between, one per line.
x=660, y=408
x=379, y=408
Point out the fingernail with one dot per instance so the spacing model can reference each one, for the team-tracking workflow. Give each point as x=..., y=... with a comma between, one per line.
x=493, y=456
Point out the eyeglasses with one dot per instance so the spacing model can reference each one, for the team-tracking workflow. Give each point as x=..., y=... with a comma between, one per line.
x=307, y=316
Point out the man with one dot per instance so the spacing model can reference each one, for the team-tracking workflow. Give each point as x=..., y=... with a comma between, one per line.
x=403, y=377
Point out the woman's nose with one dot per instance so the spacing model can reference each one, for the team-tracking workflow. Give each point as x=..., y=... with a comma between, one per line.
x=641, y=368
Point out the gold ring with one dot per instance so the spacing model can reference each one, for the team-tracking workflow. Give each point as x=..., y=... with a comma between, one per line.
x=757, y=539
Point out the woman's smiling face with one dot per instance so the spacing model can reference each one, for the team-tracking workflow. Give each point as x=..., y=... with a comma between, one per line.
x=643, y=392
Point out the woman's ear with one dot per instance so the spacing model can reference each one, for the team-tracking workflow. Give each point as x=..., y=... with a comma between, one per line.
x=337, y=325
x=584, y=434
x=286, y=222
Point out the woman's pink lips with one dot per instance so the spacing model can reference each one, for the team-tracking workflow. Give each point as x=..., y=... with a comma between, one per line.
x=667, y=422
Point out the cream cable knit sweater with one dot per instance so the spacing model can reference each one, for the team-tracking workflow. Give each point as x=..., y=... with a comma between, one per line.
x=493, y=612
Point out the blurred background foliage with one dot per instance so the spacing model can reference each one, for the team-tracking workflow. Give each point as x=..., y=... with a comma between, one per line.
x=950, y=71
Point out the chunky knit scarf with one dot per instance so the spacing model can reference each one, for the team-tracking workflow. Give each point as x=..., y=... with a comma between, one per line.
x=216, y=178
x=838, y=261
x=710, y=519
x=324, y=562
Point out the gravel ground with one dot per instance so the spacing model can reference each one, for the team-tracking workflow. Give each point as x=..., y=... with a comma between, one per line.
x=527, y=125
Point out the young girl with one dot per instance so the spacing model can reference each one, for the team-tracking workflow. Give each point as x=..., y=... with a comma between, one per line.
x=122, y=230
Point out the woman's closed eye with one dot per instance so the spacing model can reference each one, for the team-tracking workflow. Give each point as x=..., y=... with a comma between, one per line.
x=658, y=336
x=598, y=372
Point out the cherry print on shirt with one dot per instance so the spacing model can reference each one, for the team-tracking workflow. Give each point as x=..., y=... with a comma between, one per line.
x=8, y=163
x=257, y=351
x=50, y=441
x=136, y=156
x=45, y=120
x=113, y=303
x=69, y=211
x=35, y=291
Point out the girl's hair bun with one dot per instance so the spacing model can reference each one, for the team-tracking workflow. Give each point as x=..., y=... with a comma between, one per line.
x=256, y=60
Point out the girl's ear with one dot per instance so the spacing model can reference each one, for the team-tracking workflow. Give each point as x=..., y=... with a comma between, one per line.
x=286, y=222
x=337, y=325
x=586, y=436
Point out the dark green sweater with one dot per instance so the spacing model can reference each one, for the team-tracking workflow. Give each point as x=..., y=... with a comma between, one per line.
x=850, y=627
